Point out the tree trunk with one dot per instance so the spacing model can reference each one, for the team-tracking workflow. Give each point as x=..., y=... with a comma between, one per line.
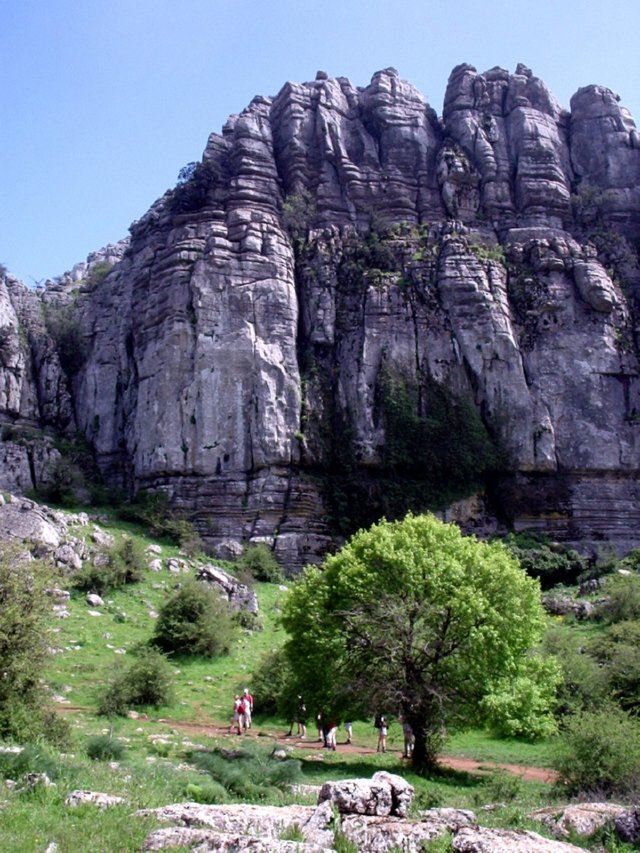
x=425, y=752
x=426, y=746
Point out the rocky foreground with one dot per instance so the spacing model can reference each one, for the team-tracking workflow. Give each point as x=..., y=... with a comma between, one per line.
x=371, y=814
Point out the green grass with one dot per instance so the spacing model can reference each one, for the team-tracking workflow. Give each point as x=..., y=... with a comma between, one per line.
x=481, y=746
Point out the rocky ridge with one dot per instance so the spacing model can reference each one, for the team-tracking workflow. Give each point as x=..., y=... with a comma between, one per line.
x=235, y=355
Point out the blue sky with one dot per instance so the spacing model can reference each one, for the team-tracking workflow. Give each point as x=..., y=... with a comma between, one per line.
x=103, y=101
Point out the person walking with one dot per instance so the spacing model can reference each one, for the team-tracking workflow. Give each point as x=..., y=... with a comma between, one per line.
x=407, y=731
x=235, y=719
x=300, y=718
x=332, y=731
x=348, y=727
x=383, y=730
x=248, y=707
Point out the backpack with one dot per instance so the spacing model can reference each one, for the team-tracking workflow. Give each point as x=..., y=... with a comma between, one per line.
x=377, y=723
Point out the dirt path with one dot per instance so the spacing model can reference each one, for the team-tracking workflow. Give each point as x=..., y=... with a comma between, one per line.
x=468, y=765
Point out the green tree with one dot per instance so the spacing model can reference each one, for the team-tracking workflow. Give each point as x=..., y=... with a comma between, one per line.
x=414, y=618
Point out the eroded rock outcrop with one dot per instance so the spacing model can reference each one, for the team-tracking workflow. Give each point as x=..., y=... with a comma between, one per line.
x=236, y=353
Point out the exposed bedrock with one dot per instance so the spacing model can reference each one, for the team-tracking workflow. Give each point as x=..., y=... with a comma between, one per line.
x=235, y=351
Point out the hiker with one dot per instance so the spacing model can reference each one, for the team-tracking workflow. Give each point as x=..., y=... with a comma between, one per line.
x=383, y=729
x=235, y=719
x=300, y=719
x=409, y=739
x=319, y=726
x=348, y=727
x=245, y=715
x=331, y=732
x=248, y=707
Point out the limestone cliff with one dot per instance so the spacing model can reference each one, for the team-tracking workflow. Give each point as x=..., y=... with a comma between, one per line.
x=343, y=267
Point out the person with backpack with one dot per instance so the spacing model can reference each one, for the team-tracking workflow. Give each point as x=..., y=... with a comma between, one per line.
x=235, y=720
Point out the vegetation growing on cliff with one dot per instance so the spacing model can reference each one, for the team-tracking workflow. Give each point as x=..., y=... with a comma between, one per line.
x=436, y=450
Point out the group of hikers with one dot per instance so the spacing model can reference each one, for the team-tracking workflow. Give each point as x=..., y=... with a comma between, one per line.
x=242, y=712
x=326, y=724
x=327, y=727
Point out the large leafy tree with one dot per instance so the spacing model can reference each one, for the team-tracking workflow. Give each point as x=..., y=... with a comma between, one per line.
x=411, y=617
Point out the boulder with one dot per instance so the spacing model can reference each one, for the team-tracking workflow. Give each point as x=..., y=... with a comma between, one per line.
x=379, y=834
x=207, y=841
x=583, y=819
x=95, y=798
x=627, y=826
x=239, y=596
x=484, y=840
x=358, y=796
x=25, y=521
x=266, y=823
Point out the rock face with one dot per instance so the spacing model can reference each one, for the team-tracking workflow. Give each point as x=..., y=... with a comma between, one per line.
x=333, y=240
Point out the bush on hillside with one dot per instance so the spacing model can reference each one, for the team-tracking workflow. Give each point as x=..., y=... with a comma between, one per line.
x=126, y=564
x=148, y=680
x=105, y=748
x=260, y=562
x=621, y=601
x=153, y=510
x=24, y=613
x=550, y=562
x=617, y=653
x=30, y=759
x=194, y=621
x=252, y=773
x=585, y=683
x=600, y=754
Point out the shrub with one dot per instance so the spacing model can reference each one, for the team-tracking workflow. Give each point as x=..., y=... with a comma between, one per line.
x=250, y=772
x=24, y=610
x=298, y=212
x=194, y=621
x=105, y=748
x=207, y=792
x=518, y=707
x=617, y=653
x=259, y=561
x=126, y=564
x=600, y=754
x=62, y=321
x=248, y=620
x=622, y=602
x=584, y=684
x=551, y=563
x=148, y=680
x=30, y=759
x=152, y=509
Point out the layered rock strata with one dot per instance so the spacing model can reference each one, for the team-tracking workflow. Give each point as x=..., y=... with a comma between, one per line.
x=331, y=236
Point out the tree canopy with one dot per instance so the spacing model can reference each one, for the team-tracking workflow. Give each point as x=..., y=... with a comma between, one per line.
x=413, y=618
